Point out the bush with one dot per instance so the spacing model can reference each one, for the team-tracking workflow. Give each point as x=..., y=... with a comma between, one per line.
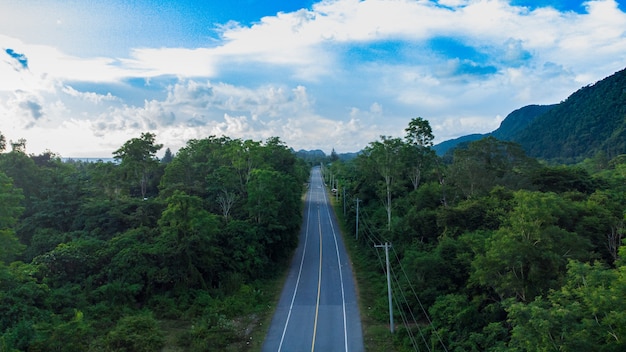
x=136, y=333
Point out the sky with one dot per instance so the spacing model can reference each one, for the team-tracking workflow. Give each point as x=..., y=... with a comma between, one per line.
x=80, y=78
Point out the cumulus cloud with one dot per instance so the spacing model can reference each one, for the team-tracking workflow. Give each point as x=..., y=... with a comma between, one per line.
x=88, y=96
x=320, y=77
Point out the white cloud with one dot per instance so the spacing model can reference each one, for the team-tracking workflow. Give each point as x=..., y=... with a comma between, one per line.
x=319, y=78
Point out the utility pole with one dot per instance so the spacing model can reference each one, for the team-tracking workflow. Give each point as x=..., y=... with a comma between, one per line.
x=387, y=246
x=357, y=218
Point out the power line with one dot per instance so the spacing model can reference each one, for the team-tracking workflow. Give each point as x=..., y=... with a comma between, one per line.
x=373, y=239
x=419, y=301
x=412, y=315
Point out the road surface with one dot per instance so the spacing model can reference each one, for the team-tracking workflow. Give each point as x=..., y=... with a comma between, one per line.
x=318, y=309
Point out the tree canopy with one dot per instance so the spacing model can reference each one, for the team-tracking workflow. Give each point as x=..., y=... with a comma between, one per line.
x=100, y=256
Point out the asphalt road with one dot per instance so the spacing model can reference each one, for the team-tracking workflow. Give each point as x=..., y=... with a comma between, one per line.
x=318, y=309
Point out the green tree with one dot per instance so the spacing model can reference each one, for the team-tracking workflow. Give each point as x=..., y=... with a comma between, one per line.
x=586, y=314
x=138, y=159
x=274, y=206
x=419, y=138
x=188, y=242
x=385, y=157
x=527, y=255
x=190, y=170
x=10, y=211
x=489, y=162
x=3, y=143
x=167, y=156
x=419, y=133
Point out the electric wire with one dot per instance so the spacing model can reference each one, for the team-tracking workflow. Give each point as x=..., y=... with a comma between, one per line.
x=370, y=236
x=419, y=301
x=410, y=310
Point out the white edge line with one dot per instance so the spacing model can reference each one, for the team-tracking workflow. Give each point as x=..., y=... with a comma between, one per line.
x=295, y=290
x=343, y=298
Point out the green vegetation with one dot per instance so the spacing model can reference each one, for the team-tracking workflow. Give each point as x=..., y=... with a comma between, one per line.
x=588, y=122
x=183, y=254
x=492, y=251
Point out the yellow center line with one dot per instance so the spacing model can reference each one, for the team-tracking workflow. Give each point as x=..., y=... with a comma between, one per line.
x=319, y=284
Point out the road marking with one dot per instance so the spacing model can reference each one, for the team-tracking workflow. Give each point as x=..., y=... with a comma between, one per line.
x=319, y=284
x=343, y=297
x=295, y=290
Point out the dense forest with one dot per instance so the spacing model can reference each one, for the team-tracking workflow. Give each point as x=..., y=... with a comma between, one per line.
x=143, y=254
x=491, y=251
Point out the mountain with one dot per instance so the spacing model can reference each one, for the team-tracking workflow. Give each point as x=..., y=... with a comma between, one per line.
x=591, y=120
x=443, y=147
x=512, y=124
x=518, y=120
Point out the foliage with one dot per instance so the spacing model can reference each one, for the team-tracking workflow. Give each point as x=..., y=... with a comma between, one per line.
x=586, y=313
x=10, y=211
x=493, y=250
x=138, y=160
x=110, y=250
x=135, y=333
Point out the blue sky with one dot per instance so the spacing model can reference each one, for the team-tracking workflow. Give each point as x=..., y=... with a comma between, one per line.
x=80, y=78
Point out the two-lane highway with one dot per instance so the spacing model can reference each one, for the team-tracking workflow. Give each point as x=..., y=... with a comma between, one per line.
x=318, y=307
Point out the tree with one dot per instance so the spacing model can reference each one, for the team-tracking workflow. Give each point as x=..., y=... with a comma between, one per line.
x=167, y=157
x=490, y=162
x=384, y=156
x=419, y=133
x=137, y=158
x=3, y=142
x=245, y=157
x=586, y=314
x=275, y=207
x=527, y=256
x=333, y=156
x=419, y=137
x=19, y=146
x=10, y=211
x=188, y=242
x=193, y=165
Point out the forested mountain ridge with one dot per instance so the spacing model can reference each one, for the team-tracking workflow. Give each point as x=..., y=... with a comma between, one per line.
x=512, y=124
x=592, y=120
x=518, y=120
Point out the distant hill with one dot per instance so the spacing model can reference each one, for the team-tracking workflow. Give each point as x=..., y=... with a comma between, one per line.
x=591, y=120
x=443, y=147
x=518, y=120
x=512, y=124
x=317, y=156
